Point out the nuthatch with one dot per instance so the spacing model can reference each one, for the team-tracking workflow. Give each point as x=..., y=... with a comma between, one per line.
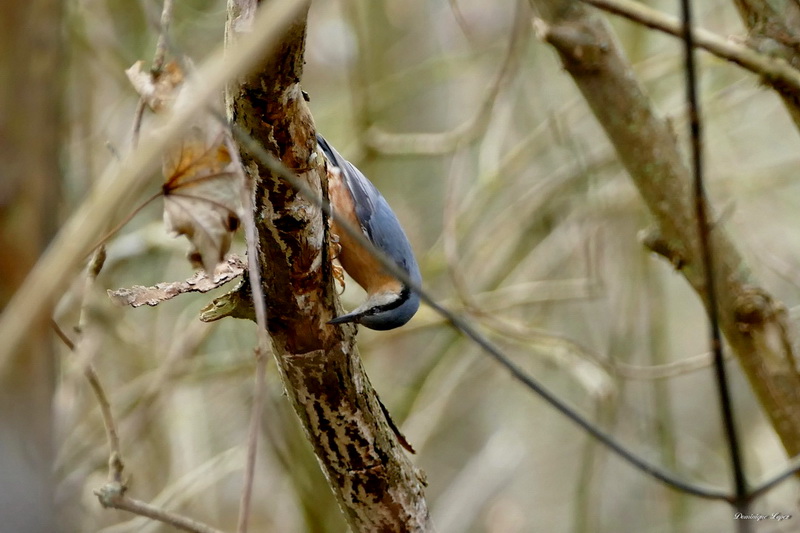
x=355, y=200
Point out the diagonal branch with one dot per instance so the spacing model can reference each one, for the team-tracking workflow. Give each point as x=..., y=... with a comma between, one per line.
x=775, y=29
x=776, y=72
x=112, y=495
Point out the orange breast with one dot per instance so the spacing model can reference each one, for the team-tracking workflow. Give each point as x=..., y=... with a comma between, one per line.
x=355, y=259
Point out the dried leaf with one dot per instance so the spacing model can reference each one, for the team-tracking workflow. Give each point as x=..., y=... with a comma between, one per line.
x=202, y=194
x=203, y=176
x=158, y=92
x=138, y=295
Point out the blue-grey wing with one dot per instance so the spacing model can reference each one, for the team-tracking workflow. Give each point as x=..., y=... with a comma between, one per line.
x=377, y=219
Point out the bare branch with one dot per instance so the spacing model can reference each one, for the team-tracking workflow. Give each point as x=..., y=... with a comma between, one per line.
x=115, y=464
x=775, y=30
x=112, y=495
x=252, y=440
x=665, y=370
x=138, y=295
x=163, y=37
x=774, y=71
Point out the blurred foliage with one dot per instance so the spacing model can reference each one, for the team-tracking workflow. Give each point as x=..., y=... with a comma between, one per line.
x=530, y=228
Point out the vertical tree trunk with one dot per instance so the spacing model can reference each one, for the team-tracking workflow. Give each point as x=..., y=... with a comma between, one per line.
x=30, y=48
x=376, y=485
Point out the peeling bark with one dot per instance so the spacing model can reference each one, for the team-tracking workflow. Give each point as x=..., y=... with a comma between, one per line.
x=754, y=324
x=377, y=486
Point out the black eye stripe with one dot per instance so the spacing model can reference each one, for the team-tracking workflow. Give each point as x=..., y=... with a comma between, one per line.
x=405, y=294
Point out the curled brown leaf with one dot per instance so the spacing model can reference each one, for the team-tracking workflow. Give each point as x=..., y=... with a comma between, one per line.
x=202, y=172
x=202, y=195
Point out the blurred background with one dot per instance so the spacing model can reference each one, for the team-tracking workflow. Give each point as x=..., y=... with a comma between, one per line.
x=521, y=217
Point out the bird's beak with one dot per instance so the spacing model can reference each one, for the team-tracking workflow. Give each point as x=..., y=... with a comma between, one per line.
x=343, y=319
x=354, y=315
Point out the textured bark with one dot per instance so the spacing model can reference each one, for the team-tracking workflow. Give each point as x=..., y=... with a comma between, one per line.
x=377, y=487
x=774, y=27
x=30, y=52
x=754, y=324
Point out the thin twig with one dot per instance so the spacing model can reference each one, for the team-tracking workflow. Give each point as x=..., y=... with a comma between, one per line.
x=461, y=20
x=262, y=350
x=444, y=142
x=775, y=71
x=664, y=427
x=138, y=116
x=138, y=398
x=155, y=69
x=63, y=336
x=163, y=38
x=610, y=442
x=450, y=234
x=113, y=495
x=707, y=257
x=360, y=95
x=185, y=490
x=115, y=463
x=772, y=482
x=465, y=327
x=672, y=369
x=113, y=231
x=252, y=441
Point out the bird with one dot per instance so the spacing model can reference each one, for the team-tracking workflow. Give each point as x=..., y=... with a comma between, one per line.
x=356, y=201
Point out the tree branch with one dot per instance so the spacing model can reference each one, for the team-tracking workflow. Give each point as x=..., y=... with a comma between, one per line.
x=776, y=72
x=754, y=324
x=374, y=482
x=775, y=30
x=113, y=495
